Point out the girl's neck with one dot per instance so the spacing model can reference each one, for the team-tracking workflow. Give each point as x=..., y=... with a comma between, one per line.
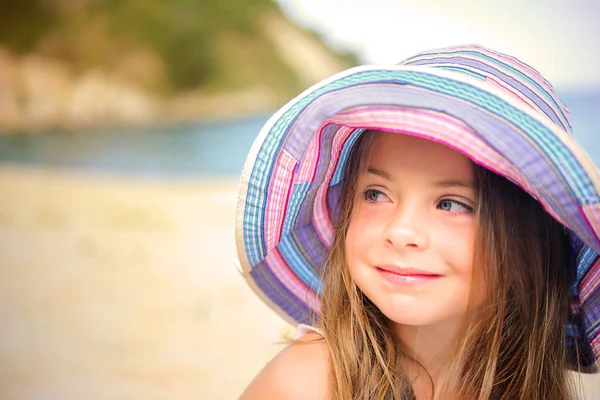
x=429, y=345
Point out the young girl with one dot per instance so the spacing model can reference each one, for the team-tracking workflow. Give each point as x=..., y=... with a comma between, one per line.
x=433, y=228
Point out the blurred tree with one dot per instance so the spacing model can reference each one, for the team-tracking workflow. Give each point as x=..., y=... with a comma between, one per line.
x=214, y=44
x=23, y=23
x=183, y=32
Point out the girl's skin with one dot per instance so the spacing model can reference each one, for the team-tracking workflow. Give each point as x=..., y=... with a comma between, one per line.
x=413, y=214
x=410, y=248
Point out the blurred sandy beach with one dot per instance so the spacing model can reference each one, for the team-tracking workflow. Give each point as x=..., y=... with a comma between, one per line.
x=123, y=289
x=117, y=288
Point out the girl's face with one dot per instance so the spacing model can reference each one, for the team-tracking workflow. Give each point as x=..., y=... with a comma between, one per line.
x=411, y=236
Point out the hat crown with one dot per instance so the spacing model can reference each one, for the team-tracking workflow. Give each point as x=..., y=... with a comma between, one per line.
x=512, y=76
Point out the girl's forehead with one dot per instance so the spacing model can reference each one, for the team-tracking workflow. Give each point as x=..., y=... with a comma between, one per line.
x=393, y=151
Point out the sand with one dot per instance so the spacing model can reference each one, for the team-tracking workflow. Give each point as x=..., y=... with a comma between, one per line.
x=116, y=288
x=122, y=288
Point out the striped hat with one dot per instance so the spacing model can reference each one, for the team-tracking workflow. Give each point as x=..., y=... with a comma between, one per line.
x=491, y=107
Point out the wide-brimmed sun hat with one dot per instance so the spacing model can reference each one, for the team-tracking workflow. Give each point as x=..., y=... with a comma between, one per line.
x=491, y=107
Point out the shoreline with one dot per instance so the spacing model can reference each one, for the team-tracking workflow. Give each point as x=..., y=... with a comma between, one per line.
x=185, y=109
x=156, y=122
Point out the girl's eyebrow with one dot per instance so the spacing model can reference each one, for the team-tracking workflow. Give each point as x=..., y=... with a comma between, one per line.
x=441, y=184
x=447, y=183
x=379, y=173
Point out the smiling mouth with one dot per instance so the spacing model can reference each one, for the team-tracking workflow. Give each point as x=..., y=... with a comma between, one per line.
x=406, y=276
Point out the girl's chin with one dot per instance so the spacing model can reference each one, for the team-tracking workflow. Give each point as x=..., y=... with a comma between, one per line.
x=410, y=318
x=413, y=322
x=422, y=319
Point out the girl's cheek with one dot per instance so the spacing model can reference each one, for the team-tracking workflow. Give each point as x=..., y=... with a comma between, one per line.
x=454, y=235
x=365, y=217
x=363, y=231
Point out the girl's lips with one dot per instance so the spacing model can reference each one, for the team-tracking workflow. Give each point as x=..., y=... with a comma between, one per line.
x=406, y=276
x=405, y=271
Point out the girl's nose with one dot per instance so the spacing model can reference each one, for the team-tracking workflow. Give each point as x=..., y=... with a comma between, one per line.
x=407, y=229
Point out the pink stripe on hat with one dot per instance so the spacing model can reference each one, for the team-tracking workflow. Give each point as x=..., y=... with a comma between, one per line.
x=279, y=192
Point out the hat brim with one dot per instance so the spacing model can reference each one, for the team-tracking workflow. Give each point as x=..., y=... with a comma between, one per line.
x=280, y=233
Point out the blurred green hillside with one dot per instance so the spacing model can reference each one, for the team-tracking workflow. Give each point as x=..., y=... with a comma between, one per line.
x=165, y=46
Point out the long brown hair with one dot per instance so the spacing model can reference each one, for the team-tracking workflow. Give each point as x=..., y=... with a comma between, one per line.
x=515, y=348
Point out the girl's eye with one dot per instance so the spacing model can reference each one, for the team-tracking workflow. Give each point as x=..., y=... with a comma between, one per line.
x=374, y=196
x=454, y=207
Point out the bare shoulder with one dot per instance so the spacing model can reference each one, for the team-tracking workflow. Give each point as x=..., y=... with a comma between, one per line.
x=298, y=372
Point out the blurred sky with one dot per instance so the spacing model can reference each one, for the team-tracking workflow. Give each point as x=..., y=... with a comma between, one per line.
x=560, y=38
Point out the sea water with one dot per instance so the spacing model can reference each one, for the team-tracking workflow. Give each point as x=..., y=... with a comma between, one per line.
x=216, y=148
